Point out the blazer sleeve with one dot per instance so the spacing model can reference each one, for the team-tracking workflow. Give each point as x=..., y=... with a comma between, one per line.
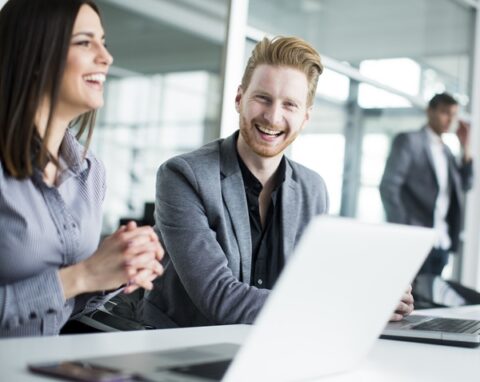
x=30, y=299
x=394, y=177
x=466, y=174
x=197, y=256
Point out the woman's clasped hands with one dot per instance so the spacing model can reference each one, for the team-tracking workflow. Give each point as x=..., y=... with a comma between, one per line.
x=130, y=256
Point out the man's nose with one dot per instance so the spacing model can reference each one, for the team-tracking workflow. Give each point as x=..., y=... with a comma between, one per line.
x=274, y=115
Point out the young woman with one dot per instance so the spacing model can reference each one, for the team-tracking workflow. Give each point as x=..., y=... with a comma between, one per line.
x=53, y=62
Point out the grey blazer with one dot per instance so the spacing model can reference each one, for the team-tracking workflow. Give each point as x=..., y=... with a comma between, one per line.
x=202, y=220
x=409, y=185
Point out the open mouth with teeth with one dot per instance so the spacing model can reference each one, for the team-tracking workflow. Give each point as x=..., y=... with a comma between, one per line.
x=96, y=79
x=266, y=131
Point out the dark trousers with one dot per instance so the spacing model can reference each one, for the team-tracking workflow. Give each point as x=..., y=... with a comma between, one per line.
x=435, y=262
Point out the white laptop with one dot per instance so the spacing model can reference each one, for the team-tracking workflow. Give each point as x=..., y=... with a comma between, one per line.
x=327, y=309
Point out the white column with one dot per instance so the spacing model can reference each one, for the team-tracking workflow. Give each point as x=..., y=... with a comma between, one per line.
x=233, y=64
x=470, y=275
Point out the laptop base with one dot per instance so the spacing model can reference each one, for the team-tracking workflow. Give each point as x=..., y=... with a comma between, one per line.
x=431, y=341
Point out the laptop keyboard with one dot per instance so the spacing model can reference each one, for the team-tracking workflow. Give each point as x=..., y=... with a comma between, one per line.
x=449, y=325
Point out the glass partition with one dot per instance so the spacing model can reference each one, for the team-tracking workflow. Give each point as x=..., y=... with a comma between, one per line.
x=162, y=97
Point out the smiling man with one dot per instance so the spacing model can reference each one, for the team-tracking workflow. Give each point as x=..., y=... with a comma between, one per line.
x=230, y=213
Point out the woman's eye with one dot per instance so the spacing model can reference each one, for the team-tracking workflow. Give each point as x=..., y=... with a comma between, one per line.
x=83, y=43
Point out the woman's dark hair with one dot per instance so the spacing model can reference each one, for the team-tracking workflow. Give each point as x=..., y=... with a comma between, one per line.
x=35, y=37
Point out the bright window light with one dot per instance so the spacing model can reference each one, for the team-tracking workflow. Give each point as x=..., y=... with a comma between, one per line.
x=400, y=73
x=333, y=85
x=323, y=153
x=452, y=142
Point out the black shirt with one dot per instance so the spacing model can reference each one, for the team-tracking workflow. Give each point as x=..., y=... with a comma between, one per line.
x=267, y=242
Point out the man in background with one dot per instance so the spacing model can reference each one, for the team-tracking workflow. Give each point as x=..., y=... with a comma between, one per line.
x=424, y=185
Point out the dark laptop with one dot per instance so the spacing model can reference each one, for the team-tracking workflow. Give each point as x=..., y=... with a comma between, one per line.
x=436, y=330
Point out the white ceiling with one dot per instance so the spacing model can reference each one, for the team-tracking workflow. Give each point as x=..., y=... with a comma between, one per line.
x=154, y=36
x=353, y=30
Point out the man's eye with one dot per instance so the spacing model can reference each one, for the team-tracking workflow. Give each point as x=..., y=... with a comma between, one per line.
x=262, y=98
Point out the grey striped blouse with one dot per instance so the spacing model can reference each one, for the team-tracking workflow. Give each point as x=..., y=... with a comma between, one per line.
x=43, y=229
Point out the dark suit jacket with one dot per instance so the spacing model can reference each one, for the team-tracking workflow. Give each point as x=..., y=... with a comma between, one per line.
x=409, y=185
x=202, y=220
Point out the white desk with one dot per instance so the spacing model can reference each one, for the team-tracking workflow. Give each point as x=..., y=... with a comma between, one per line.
x=389, y=361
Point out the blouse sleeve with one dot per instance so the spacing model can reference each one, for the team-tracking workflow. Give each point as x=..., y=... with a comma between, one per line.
x=31, y=299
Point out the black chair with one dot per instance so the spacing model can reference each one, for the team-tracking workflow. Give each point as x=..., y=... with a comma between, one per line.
x=431, y=291
x=146, y=219
x=121, y=313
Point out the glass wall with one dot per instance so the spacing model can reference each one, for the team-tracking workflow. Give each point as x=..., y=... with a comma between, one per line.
x=162, y=97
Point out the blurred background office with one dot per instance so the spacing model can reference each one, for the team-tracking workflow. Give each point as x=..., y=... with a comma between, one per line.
x=178, y=64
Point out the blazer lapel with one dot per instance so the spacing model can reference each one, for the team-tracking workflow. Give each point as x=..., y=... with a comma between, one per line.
x=453, y=175
x=428, y=152
x=290, y=197
x=233, y=193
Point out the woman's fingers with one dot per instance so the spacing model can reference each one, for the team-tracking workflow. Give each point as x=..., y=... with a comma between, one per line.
x=143, y=279
x=133, y=235
x=127, y=235
x=147, y=262
x=140, y=255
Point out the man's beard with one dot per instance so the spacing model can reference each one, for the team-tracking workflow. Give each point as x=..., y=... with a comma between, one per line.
x=248, y=131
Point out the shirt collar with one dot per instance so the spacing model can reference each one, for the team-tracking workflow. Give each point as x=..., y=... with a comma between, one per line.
x=252, y=182
x=73, y=153
x=72, y=159
x=433, y=137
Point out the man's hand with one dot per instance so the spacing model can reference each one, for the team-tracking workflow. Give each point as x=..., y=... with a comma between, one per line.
x=463, y=134
x=404, y=307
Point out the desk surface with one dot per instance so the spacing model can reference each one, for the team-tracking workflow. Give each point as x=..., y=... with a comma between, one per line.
x=390, y=361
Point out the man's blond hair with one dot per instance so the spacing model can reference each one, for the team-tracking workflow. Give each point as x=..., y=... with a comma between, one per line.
x=291, y=52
